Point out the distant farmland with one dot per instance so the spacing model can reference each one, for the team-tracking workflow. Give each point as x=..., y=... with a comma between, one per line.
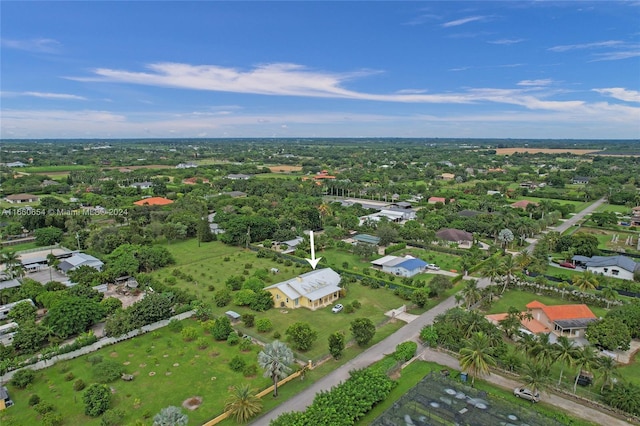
x=285, y=169
x=522, y=150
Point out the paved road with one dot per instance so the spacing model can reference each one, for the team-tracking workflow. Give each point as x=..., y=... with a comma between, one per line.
x=571, y=221
x=366, y=358
x=576, y=409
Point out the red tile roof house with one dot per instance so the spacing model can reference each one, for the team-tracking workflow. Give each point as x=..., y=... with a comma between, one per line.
x=194, y=180
x=522, y=204
x=153, y=201
x=433, y=200
x=563, y=320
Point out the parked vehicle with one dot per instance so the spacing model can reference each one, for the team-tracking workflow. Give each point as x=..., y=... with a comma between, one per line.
x=568, y=265
x=337, y=308
x=433, y=266
x=585, y=378
x=527, y=394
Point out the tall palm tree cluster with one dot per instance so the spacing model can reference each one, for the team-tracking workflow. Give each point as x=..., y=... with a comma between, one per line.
x=482, y=345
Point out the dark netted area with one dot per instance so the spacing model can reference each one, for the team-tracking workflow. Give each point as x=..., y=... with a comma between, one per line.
x=441, y=400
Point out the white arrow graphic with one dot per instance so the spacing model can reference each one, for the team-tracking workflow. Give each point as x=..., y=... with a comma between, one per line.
x=313, y=261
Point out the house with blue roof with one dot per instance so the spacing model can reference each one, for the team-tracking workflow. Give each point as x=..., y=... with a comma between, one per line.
x=407, y=266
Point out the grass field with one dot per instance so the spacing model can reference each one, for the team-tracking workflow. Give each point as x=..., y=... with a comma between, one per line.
x=167, y=371
x=578, y=205
x=606, y=207
x=208, y=267
x=55, y=169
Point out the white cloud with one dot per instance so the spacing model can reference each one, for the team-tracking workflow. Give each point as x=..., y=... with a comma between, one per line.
x=463, y=21
x=44, y=95
x=620, y=93
x=596, y=45
x=506, y=41
x=36, y=45
x=535, y=83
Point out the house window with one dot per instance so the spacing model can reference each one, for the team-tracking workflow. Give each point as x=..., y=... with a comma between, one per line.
x=615, y=272
x=277, y=296
x=297, y=302
x=606, y=269
x=287, y=300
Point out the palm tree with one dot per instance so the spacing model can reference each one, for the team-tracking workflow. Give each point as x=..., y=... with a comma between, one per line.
x=509, y=268
x=471, y=293
x=607, y=369
x=585, y=281
x=492, y=269
x=535, y=376
x=243, y=404
x=505, y=237
x=609, y=295
x=275, y=359
x=512, y=359
x=170, y=416
x=477, y=356
x=564, y=352
x=542, y=351
x=586, y=359
x=523, y=259
x=13, y=265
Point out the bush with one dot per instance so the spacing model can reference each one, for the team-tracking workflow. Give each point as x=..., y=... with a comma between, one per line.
x=22, y=378
x=44, y=407
x=175, y=325
x=107, y=371
x=94, y=359
x=202, y=343
x=52, y=419
x=237, y=363
x=245, y=345
x=405, y=351
x=69, y=377
x=233, y=339
x=188, y=334
x=97, y=399
x=34, y=400
x=78, y=385
x=112, y=417
x=356, y=304
x=249, y=320
x=264, y=325
x=349, y=309
x=277, y=335
x=250, y=370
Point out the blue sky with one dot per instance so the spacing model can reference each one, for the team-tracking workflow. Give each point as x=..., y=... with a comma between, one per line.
x=513, y=69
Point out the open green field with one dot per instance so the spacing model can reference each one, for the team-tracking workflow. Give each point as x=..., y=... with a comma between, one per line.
x=208, y=267
x=55, y=169
x=606, y=207
x=605, y=237
x=578, y=205
x=167, y=371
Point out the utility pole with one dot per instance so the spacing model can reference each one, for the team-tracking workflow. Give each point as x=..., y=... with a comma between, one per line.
x=248, y=236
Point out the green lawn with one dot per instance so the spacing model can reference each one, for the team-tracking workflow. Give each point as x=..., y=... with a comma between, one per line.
x=606, y=207
x=167, y=371
x=578, y=205
x=208, y=267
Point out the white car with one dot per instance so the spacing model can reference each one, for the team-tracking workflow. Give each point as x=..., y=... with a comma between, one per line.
x=525, y=393
x=337, y=308
x=433, y=266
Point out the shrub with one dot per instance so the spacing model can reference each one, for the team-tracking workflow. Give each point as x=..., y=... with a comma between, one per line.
x=33, y=400
x=78, y=385
x=249, y=320
x=237, y=363
x=69, y=377
x=250, y=370
x=52, y=419
x=245, y=345
x=112, y=417
x=175, y=325
x=349, y=309
x=264, y=325
x=97, y=399
x=356, y=304
x=188, y=334
x=107, y=371
x=44, y=407
x=233, y=339
x=22, y=378
x=202, y=343
x=405, y=351
x=94, y=359
x=277, y=335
